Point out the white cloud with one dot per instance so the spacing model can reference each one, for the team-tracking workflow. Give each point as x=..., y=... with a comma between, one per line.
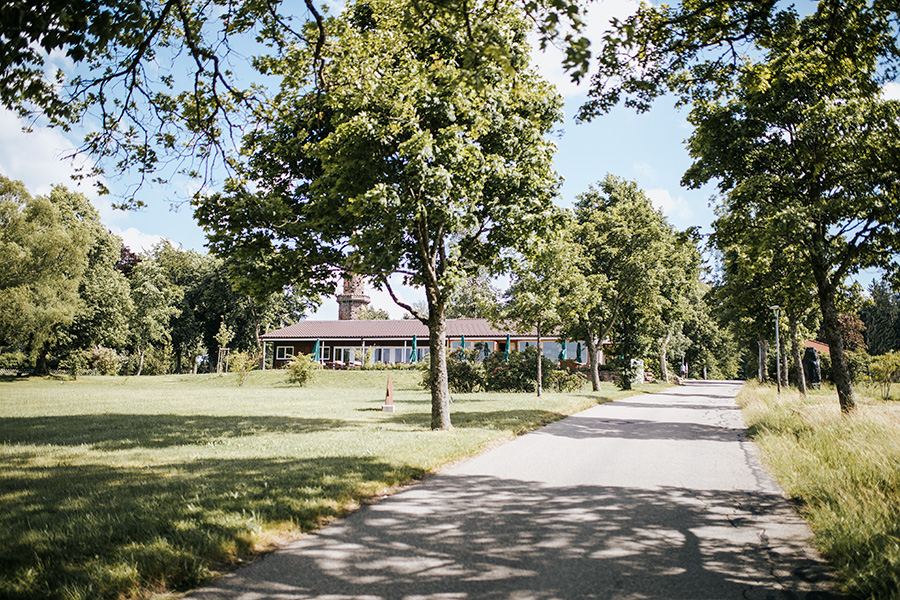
x=549, y=61
x=891, y=91
x=136, y=240
x=676, y=208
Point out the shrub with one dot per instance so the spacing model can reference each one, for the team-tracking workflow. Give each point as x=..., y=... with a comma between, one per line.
x=464, y=373
x=885, y=370
x=301, y=369
x=857, y=363
x=242, y=363
x=564, y=381
x=106, y=361
x=518, y=374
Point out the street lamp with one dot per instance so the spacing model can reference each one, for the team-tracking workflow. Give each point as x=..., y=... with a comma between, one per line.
x=776, y=309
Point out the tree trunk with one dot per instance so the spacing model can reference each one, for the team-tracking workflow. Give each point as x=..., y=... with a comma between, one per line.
x=763, y=358
x=440, y=390
x=831, y=327
x=540, y=356
x=663, y=363
x=40, y=364
x=798, y=358
x=140, y=363
x=594, y=362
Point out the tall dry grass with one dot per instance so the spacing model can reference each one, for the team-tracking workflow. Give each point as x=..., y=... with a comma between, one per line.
x=845, y=472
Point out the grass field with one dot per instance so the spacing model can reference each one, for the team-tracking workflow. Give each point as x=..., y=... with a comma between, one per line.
x=125, y=487
x=844, y=471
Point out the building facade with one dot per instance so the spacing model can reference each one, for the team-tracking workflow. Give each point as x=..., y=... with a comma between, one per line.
x=346, y=343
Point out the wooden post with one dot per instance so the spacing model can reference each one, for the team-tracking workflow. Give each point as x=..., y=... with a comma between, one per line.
x=389, y=397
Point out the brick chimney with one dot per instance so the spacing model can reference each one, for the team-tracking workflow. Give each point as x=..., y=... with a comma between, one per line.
x=352, y=298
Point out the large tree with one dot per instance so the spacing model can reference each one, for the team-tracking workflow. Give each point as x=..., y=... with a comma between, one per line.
x=809, y=151
x=45, y=242
x=623, y=244
x=419, y=158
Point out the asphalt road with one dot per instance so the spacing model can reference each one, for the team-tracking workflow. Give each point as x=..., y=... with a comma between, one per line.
x=654, y=496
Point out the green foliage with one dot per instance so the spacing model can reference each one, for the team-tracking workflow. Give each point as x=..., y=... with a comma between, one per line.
x=885, y=370
x=224, y=336
x=519, y=373
x=106, y=361
x=624, y=245
x=474, y=298
x=301, y=369
x=370, y=313
x=241, y=363
x=881, y=316
x=44, y=247
x=833, y=204
x=420, y=158
x=697, y=49
x=564, y=381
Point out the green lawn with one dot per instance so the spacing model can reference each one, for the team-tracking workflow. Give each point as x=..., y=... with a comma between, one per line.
x=116, y=487
x=845, y=473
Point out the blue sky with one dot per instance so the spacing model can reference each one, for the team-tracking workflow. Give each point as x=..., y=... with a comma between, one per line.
x=647, y=148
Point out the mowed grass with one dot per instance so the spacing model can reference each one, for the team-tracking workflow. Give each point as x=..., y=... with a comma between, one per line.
x=845, y=471
x=125, y=487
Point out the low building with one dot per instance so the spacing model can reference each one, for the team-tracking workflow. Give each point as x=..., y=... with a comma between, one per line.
x=344, y=343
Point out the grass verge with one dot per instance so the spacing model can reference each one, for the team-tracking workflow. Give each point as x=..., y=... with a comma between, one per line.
x=125, y=487
x=844, y=471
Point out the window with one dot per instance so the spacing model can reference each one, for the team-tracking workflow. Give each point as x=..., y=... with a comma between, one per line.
x=326, y=352
x=284, y=352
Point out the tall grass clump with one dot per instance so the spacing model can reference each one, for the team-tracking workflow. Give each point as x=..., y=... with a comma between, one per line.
x=845, y=471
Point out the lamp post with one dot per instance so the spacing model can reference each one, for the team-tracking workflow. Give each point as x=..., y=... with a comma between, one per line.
x=777, y=309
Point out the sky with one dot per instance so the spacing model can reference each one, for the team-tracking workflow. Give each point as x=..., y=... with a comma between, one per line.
x=647, y=148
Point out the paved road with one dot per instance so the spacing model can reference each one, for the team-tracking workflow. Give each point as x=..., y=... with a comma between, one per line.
x=654, y=496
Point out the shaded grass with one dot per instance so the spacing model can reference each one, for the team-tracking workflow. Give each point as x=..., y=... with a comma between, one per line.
x=122, y=487
x=845, y=472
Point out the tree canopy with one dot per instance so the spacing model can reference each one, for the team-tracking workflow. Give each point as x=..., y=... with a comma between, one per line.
x=805, y=153
x=419, y=158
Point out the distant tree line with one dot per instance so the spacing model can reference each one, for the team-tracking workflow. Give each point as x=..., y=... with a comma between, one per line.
x=75, y=298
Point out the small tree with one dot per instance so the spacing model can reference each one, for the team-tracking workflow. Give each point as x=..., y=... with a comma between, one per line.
x=223, y=338
x=242, y=363
x=885, y=370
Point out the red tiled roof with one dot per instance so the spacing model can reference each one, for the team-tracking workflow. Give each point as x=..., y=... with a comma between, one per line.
x=819, y=346
x=474, y=328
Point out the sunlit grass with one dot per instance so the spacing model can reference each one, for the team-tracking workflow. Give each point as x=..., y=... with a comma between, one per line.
x=845, y=470
x=119, y=487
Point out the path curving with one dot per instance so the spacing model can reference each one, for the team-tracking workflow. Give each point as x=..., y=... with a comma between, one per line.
x=653, y=496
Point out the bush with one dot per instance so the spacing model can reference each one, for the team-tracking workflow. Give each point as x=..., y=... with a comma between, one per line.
x=563, y=381
x=885, y=370
x=464, y=373
x=518, y=374
x=301, y=369
x=857, y=363
x=242, y=363
x=106, y=361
